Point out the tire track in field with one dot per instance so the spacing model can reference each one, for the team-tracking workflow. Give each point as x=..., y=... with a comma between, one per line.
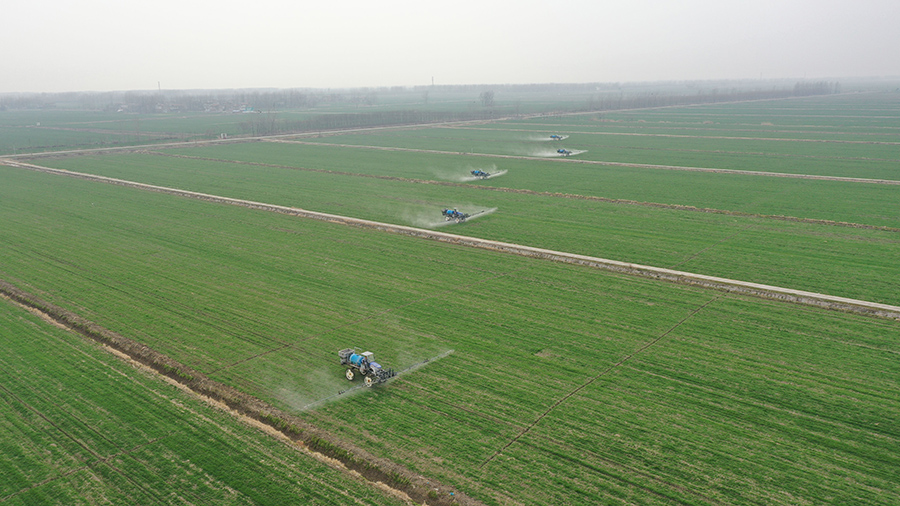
x=84, y=468
x=219, y=323
x=833, y=302
x=574, y=460
x=595, y=378
x=677, y=207
x=195, y=395
x=840, y=427
x=359, y=320
x=607, y=164
x=574, y=451
x=98, y=458
x=704, y=250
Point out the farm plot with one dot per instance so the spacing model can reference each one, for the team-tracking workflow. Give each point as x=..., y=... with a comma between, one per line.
x=54, y=118
x=594, y=125
x=833, y=156
x=861, y=113
x=741, y=403
x=845, y=261
x=14, y=140
x=670, y=123
x=564, y=385
x=867, y=204
x=81, y=426
x=35, y=131
x=38, y=131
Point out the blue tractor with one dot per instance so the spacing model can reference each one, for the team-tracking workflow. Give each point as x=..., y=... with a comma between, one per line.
x=481, y=174
x=564, y=152
x=454, y=215
x=365, y=365
x=555, y=137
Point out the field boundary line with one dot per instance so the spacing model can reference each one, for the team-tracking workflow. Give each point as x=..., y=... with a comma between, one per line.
x=728, y=285
x=607, y=164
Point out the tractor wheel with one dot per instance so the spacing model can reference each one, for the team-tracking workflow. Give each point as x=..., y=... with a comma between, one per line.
x=370, y=381
x=349, y=374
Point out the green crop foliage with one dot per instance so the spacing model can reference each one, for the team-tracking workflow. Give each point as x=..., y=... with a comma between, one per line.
x=850, y=262
x=866, y=159
x=855, y=203
x=82, y=427
x=565, y=385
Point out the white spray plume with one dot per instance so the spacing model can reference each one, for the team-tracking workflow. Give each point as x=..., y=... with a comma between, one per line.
x=432, y=218
x=551, y=153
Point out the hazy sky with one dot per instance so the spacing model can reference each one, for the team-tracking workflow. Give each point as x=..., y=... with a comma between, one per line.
x=101, y=45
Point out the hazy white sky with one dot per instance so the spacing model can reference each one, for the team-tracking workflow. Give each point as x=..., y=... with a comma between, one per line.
x=101, y=45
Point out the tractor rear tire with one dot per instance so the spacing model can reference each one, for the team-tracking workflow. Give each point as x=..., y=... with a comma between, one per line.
x=349, y=374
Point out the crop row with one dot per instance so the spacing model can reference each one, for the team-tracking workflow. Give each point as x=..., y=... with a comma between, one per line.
x=722, y=409
x=83, y=427
x=525, y=407
x=865, y=159
x=830, y=200
x=565, y=385
x=842, y=261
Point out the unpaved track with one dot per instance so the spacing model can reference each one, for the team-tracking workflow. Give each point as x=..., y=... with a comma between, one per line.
x=728, y=285
x=608, y=164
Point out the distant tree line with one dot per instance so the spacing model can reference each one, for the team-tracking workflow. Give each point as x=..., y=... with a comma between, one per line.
x=149, y=102
x=802, y=89
x=267, y=102
x=269, y=125
x=611, y=102
x=266, y=124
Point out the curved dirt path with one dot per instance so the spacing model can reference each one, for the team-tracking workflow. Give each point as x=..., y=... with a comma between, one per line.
x=725, y=284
